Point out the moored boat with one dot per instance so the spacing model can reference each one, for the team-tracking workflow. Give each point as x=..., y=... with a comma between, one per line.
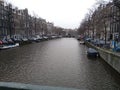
x=92, y=52
x=2, y=47
x=82, y=42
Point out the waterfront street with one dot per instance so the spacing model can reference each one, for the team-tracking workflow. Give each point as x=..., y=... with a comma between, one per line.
x=59, y=62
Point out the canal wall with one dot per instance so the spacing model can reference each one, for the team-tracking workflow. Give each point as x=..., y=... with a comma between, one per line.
x=112, y=58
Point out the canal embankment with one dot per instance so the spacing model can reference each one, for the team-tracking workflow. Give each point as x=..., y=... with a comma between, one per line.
x=112, y=58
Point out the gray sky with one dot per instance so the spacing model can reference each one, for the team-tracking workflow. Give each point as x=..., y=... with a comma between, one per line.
x=64, y=13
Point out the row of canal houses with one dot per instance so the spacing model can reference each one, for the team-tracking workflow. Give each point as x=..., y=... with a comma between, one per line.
x=103, y=23
x=18, y=23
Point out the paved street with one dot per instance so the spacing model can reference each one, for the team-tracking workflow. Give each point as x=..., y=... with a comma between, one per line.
x=60, y=62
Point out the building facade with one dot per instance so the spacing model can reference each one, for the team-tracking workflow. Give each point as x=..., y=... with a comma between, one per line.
x=18, y=23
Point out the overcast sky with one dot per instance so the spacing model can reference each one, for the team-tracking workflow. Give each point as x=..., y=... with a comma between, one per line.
x=64, y=13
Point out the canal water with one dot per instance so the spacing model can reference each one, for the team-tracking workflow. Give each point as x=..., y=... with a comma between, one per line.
x=59, y=62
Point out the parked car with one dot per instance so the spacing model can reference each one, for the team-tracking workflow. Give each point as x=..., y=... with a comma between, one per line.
x=33, y=39
x=10, y=41
x=101, y=43
x=45, y=38
x=118, y=47
x=88, y=39
x=24, y=39
x=4, y=42
x=1, y=42
x=38, y=37
x=17, y=40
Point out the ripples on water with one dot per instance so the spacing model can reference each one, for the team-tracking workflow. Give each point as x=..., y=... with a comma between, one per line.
x=60, y=62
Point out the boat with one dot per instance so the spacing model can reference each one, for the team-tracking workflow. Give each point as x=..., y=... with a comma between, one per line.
x=2, y=47
x=82, y=42
x=91, y=52
x=22, y=86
